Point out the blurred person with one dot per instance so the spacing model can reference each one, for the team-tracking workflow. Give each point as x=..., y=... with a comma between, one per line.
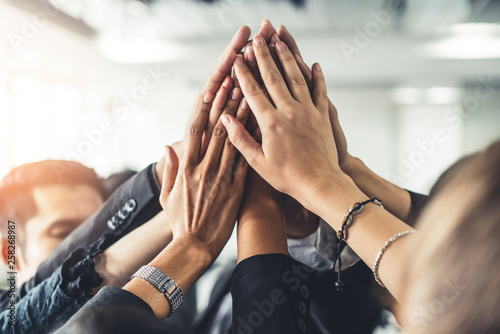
x=46, y=203
x=451, y=282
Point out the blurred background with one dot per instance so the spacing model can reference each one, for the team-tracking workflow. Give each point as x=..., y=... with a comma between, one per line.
x=416, y=82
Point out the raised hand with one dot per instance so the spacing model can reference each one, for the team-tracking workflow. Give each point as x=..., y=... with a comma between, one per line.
x=210, y=88
x=201, y=195
x=298, y=153
x=345, y=159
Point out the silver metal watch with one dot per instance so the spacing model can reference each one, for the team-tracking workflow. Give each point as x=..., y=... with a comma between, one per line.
x=164, y=283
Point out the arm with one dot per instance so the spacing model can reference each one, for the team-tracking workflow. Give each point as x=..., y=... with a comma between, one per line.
x=266, y=280
x=202, y=199
x=298, y=155
x=136, y=200
x=277, y=288
x=261, y=224
x=117, y=263
x=396, y=200
x=144, y=188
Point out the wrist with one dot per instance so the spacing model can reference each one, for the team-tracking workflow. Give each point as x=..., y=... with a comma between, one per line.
x=350, y=164
x=332, y=200
x=184, y=261
x=162, y=227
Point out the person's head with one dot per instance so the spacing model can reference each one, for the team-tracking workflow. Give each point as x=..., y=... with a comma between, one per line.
x=46, y=200
x=452, y=277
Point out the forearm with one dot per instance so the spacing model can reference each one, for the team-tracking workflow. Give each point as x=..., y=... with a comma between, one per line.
x=261, y=229
x=369, y=230
x=396, y=200
x=184, y=262
x=140, y=195
x=123, y=258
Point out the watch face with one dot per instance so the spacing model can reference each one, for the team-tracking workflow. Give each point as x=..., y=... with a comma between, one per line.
x=170, y=287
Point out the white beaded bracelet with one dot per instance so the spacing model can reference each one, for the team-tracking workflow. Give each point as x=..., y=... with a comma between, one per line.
x=382, y=251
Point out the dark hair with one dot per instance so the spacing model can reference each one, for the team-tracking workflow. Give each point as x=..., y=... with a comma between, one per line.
x=16, y=201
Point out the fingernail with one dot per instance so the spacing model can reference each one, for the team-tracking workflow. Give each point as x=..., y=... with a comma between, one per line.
x=259, y=41
x=209, y=97
x=236, y=94
x=275, y=38
x=239, y=60
x=225, y=120
x=281, y=47
x=250, y=54
x=244, y=104
x=316, y=67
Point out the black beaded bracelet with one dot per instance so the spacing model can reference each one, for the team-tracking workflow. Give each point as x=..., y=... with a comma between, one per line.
x=354, y=209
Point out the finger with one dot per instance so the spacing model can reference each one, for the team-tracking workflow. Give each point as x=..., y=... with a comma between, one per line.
x=254, y=68
x=215, y=112
x=286, y=37
x=320, y=96
x=294, y=78
x=224, y=65
x=271, y=76
x=252, y=63
x=267, y=30
x=274, y=54
x=229, y=151
x=252, y=91
x=306, y=71
x=219, y=134
x=242, y=140
x=194, y=133
x=169, y=173
x=338, y=132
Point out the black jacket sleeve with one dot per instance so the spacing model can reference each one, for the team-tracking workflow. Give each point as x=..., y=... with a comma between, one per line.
x=108, y=299
x=114, y=310
x=271, y=294
x=130, y=206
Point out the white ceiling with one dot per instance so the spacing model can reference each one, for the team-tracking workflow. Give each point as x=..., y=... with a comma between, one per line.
x=425, y=43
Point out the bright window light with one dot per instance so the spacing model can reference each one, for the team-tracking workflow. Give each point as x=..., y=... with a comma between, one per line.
x=432, y=95
x=467, y=41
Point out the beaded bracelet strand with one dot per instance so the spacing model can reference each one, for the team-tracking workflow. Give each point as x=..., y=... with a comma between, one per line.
x=354, y=209
x=382, y=251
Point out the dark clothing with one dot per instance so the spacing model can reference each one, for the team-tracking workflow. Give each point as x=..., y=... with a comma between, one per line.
x=271, y=294
x=131, y=205
x=50, y=304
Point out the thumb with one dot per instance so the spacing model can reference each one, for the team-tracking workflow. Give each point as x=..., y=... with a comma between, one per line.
x=241, y=139
x=170, y=171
